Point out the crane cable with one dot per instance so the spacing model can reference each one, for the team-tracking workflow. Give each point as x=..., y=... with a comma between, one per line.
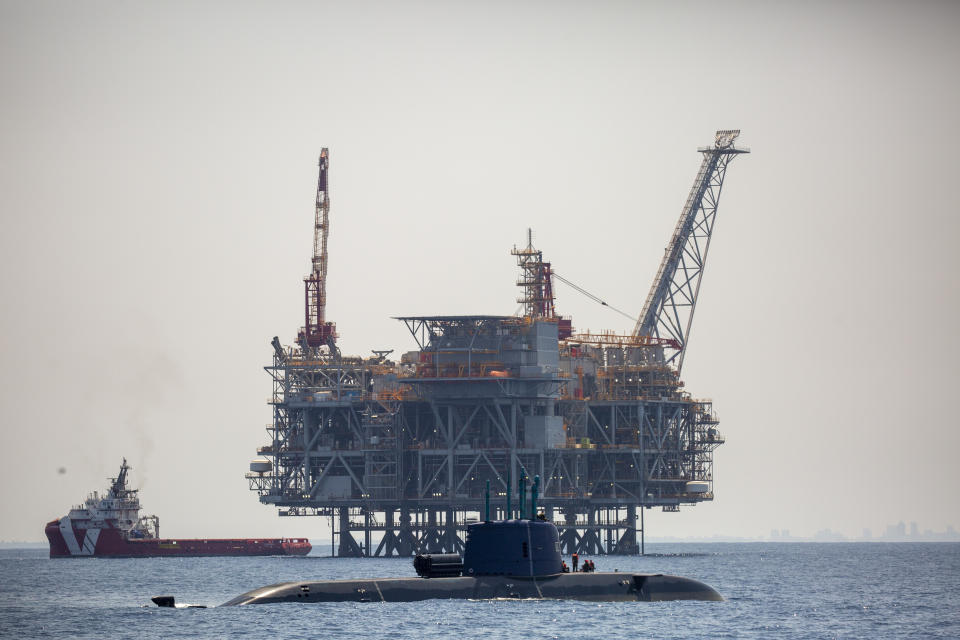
x=590, y=295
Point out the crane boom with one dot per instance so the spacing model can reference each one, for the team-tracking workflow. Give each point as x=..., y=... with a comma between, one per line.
x=317, y=331
x=668, y=310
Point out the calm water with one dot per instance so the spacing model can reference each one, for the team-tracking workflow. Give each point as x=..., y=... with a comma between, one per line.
x=850, y=590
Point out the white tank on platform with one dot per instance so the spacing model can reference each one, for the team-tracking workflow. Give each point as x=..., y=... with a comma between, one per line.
x=260, y=465
x=698, y=487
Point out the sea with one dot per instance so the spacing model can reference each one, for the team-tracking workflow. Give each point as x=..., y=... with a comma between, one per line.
x=772, y=590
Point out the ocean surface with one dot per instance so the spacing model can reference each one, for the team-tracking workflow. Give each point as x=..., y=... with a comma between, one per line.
x=786, y=590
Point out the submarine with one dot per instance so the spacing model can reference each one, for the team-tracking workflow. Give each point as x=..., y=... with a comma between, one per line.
x=517, y=558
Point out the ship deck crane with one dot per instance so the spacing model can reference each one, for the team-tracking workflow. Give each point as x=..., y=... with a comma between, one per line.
x=668, y=310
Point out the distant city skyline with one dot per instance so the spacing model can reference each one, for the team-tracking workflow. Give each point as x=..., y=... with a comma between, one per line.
x=893, y=533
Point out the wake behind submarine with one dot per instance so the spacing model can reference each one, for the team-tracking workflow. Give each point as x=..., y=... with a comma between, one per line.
x=502, y=559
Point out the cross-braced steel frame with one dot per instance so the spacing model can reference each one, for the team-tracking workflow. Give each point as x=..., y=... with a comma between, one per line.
x=412, y=466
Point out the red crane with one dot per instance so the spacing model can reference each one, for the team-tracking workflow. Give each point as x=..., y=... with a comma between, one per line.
x=317, y=332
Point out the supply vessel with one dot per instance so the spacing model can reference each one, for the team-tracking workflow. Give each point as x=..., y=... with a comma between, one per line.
x=110, y=525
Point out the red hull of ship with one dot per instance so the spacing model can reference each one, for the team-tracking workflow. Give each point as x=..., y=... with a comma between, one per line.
x=110, y=543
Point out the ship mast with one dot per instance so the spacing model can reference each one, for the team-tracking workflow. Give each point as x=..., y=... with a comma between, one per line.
x=119, y=485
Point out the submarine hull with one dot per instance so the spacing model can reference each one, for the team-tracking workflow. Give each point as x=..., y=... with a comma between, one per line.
x=599, y=587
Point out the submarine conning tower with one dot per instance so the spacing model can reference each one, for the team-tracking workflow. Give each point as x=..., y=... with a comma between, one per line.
x=512, y=548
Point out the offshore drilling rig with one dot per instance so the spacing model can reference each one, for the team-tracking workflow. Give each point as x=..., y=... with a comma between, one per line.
x=402, y=451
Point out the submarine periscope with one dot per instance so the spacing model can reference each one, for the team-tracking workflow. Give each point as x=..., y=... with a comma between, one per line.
x=517, y=558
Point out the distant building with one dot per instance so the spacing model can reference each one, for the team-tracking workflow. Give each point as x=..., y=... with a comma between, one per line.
x=826, y=535
x=896, y=531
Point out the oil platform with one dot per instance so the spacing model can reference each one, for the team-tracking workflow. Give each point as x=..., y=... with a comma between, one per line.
x=398, y=453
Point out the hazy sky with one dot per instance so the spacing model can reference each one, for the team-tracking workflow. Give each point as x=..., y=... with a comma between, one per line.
x=157, y=186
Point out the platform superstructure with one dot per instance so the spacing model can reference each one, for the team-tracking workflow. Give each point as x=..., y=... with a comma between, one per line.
x=397, y=452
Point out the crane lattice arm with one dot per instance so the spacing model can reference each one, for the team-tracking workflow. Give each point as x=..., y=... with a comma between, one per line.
x=317, y=332
x=668, y=310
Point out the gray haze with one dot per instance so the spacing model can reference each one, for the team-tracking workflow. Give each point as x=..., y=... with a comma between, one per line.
x=157, y=186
